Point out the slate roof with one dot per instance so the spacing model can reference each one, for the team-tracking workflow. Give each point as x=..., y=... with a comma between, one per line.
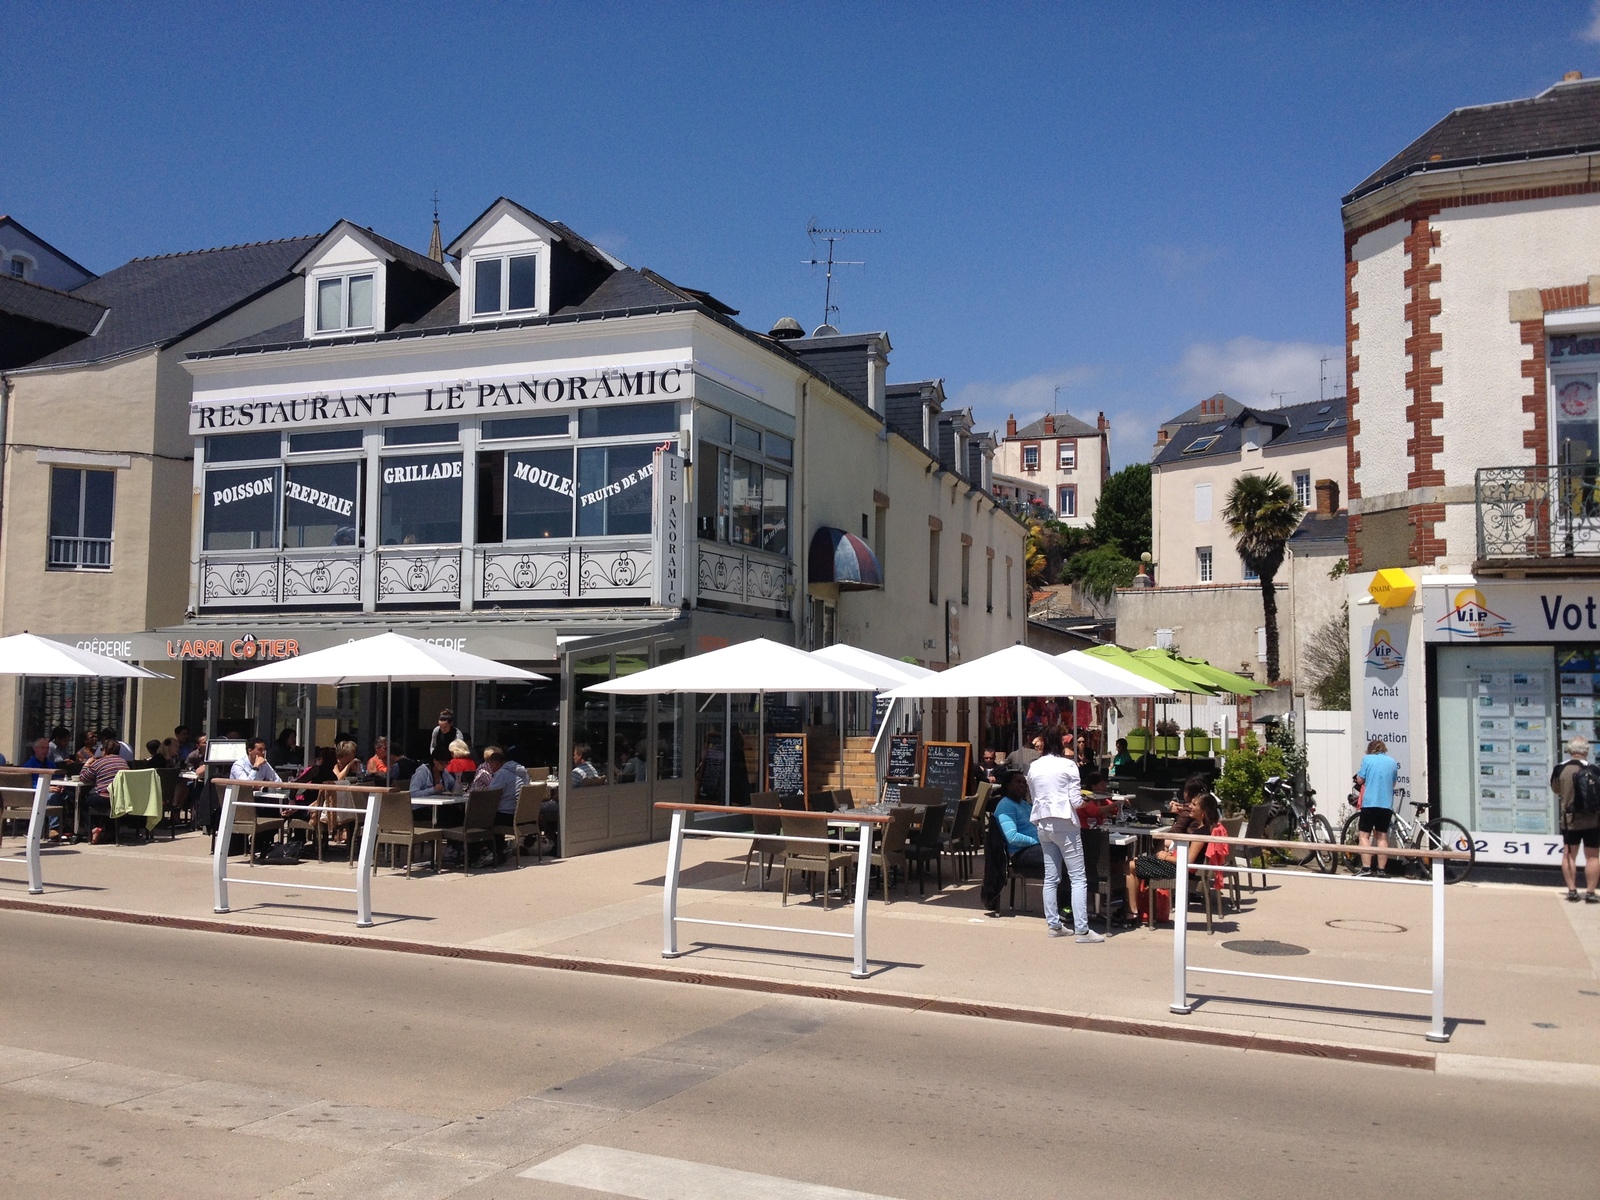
x=1066, y=425
x=33, y=302
x=576, y=241
x=1296, y=424
x=155, y=302
x=1194, y=415
x=1564, y=119
x=1315, y=530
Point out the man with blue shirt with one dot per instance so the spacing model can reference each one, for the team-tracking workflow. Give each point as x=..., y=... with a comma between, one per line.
x=1377, y=773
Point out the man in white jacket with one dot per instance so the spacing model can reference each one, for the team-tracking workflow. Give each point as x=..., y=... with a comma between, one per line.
x=1057, y=794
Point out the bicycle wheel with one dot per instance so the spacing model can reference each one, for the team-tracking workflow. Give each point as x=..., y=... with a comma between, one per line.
x=1321, y=831
x=1301, y=831
x=1347, y=837
x=1442, y=833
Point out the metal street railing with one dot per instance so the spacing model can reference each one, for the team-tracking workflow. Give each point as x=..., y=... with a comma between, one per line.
x=1538, y=511
x=1180, y=916
x=220, y=879
x=670, y=920
x=11, y=810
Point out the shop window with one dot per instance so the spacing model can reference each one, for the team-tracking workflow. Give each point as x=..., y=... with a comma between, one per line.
x=322, y=505
x=241, y=509
x=539, y=494
x=344, y=303
x=243, y=447
x=630, y=725
x=330, y=439
x=420, y=500
x=502, y=285
x=591, y=721
x=614, y=490
x=627, y=420
x=81, y=509
x=526, y=427
x=436, y=434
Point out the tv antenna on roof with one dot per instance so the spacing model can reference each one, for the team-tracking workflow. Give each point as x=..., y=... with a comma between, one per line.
x=1278, y=396
x=831, y=236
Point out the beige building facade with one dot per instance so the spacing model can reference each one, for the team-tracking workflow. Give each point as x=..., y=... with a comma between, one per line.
x=1061, y=460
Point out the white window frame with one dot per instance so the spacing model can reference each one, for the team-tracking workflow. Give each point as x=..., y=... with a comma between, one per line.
x=1034, y=452
x=345, y=325
x=1061, y=493
x=78, y=552
x=505, y=308
x=1205, y=565
x=1067, y=456
x=1302, y=488
x=1246, y=573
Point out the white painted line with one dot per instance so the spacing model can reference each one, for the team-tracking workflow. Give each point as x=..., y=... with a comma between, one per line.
x=1518, y=1070
x=651, y=1177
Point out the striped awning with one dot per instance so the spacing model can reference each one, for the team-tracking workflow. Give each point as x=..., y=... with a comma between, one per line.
x=842, y=558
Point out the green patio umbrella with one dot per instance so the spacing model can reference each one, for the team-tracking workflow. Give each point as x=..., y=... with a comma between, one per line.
x=1228, y=681
x=1164, y=671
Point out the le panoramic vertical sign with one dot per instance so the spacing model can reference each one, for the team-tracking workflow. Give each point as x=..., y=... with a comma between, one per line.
x=668, y=531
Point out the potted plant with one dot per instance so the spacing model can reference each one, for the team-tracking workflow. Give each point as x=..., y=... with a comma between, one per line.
x=1198, y=742
x=1138, y=740
x=1166, y=739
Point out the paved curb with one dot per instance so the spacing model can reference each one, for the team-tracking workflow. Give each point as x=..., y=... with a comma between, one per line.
x=910, y=1001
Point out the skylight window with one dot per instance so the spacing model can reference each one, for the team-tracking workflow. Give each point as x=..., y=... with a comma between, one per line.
x=1199, y=444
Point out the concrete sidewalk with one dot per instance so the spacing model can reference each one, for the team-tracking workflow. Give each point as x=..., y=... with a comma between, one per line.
x=1522, y=984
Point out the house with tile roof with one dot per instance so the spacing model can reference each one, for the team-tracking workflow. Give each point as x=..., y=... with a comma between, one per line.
x=1058, y=458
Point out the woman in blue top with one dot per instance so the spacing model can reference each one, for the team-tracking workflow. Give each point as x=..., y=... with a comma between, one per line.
x=1377, y=774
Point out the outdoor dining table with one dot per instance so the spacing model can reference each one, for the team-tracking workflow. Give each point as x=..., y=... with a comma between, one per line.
x=438, y=802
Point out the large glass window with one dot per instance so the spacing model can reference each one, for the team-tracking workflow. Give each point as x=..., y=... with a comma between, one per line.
x=525, y=427
x=745, y=503
x=322, y=505
x=625, y=420
x=81, y=504
x=344, y=303
x=711, y=492
x=421, y=500
x=242, y=447
x=775, y=513
x=614, y=489
x=434, y=434
x=331, y=439
x=539, y=494
x=241, y=509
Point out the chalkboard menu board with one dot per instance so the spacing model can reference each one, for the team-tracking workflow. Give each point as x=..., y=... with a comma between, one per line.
x=903, y=758
x=880, y=709
x=784, y=718
x=786, y=763
x=944, y=765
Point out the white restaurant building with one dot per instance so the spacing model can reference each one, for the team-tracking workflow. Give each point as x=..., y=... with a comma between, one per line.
x=542, y=455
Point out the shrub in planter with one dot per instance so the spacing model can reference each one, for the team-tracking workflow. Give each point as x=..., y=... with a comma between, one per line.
x=1138, y=740
x=1199, y=741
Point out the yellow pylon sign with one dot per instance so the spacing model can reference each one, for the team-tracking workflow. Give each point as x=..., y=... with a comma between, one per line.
x=1392, y=588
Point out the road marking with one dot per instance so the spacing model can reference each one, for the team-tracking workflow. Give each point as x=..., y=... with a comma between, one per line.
x=651, y=1177
x=1518, y=1070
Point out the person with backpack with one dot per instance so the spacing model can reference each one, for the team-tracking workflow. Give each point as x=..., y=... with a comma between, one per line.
x=1377, y=774
x=1577, y=782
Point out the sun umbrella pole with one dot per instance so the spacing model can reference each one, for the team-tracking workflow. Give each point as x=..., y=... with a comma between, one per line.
x=761, y=741
x=841, y=739
x=1019, y=724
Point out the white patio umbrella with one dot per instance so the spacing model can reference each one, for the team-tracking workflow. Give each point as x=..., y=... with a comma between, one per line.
x=29, y=654
x=385, y=658
x=891, y=671
x=758, y=665
x=1108, y=679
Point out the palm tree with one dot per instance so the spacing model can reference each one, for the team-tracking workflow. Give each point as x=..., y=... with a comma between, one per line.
x=1262, y=513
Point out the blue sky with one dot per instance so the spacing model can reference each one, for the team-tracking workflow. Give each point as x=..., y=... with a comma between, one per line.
x=1140, y=203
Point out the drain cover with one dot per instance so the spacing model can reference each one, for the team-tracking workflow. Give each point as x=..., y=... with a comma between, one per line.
x=1359, y=925
x=1269, y=949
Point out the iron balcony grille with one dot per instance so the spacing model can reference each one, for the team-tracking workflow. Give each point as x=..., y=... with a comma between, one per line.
x=82, y=554
x=1538, y=511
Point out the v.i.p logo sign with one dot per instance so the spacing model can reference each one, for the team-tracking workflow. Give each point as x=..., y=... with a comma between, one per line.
x=1383, y=655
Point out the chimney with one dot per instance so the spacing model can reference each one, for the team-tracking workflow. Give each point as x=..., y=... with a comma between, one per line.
x=1161, y=437
x=1572, y=77
x=1327, y=497
x=1011, y=426
x=1102, y=424
x=1049, y=425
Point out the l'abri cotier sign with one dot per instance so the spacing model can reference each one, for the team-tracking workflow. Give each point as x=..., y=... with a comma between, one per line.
x=320, y=410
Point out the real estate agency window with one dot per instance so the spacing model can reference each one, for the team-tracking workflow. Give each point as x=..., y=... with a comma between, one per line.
x=1302, y=488
x=1575, y=423
x=504, y=285
x=1202, y=563
x=81, y=509
x=1067, y=501
x=344, y=302
x=1067, y=455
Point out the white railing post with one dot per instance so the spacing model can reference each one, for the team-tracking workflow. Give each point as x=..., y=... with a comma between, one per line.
x=41, y=793
x=219, y=856
x=669, y=896
x=369, y=841
x=863, y=881
x=1438, y=1032
x=1180, y=928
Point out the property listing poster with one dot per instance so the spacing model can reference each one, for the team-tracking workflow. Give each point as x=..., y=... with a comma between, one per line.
x=1385, y=712
x=1516, y=716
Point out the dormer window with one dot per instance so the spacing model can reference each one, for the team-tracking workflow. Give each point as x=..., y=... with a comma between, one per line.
x=505, y=285
x=344, y=302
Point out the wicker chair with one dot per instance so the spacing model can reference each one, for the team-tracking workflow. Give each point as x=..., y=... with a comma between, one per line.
x=811, y=858
x=477, y=823
x=397, y=826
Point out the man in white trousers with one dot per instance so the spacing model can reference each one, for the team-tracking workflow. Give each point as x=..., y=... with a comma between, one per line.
x=1057, y=794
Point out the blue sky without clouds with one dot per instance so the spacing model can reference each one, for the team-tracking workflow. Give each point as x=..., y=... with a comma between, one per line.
x=1138, y=202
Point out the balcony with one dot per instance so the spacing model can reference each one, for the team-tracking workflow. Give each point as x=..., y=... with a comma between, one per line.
x=1538, y=512
x=80, y=554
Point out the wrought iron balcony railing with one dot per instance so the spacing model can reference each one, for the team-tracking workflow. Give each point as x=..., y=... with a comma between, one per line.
x=1538, y=511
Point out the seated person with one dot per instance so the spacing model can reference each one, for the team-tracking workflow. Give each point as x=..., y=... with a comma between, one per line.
x=1014, y=815
x=96, y=778
x=500, y=773
x=378, y=764
x=1124, y=763
x=1204, y=815
x=461, y=764
x=434, y=778
x=584, y=772
x=154, y=760
x=41, y=758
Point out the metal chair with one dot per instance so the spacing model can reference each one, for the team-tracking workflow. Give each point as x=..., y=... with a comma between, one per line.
x=927, y=844
x=956, y=841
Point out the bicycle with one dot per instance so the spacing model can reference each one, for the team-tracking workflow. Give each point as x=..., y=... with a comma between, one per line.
x=1416, y=833
x=1292, y=820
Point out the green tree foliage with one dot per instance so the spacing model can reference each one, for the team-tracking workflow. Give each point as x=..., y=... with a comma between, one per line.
x=1098, y=573
x=1245, y=771
x=1122, y=514
x=1328, y=662
x=1262, y=513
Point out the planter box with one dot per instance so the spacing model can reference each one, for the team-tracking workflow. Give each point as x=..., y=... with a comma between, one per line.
x=1138, y=743
x=1199, y=745
x=1167, y=747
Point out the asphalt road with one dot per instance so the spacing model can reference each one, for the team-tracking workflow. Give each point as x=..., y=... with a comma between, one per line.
x=145, y=1062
